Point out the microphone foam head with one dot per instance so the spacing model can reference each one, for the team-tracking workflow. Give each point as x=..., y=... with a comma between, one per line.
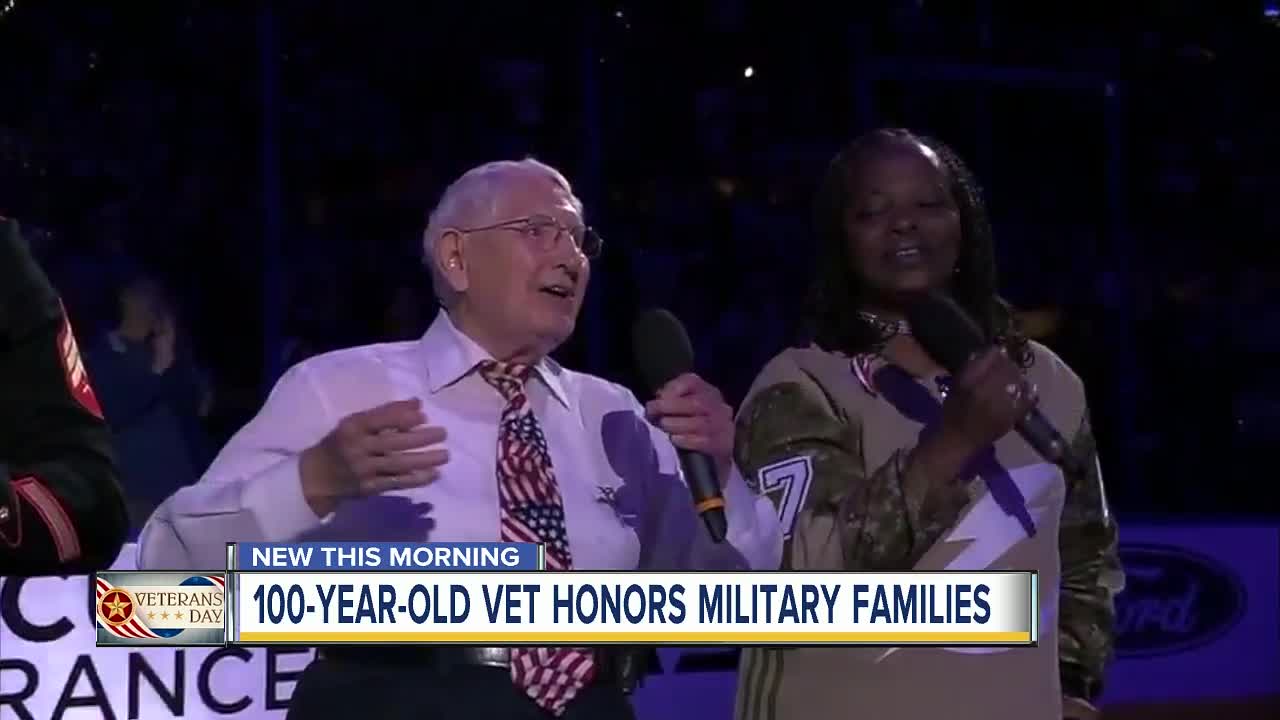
x=945, y=331
x=661, y=346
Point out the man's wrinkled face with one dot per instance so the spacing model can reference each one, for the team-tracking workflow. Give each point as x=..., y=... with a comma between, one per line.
x=525, y=278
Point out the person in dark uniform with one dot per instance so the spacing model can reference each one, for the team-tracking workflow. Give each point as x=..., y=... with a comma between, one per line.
x=61, y=509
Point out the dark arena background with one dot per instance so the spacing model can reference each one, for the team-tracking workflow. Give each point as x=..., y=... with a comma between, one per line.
x=270, y=165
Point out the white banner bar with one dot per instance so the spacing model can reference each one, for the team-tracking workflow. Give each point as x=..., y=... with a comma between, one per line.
x=512, y=608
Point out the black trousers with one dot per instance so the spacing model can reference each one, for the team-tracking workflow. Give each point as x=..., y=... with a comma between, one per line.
x=338, y=688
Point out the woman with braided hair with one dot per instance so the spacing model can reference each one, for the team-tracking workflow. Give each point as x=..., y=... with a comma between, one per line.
x=879, y=460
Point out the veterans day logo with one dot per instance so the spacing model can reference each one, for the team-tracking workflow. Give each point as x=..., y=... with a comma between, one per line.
x=151, y=608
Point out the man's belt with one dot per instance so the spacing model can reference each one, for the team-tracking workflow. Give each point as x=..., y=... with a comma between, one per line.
x=623, y=666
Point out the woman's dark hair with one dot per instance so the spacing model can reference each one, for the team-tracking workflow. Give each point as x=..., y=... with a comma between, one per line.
x=831, y=318
x=132, y=275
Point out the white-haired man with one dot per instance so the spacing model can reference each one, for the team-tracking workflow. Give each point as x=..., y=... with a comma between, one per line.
x=403, y=441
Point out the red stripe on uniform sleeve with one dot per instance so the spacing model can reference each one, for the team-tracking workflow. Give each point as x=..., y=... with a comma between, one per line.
x=73, y=367
x=65, y=539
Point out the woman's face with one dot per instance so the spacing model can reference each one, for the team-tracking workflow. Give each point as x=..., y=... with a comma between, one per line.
x=142, y=304
x=901, y=222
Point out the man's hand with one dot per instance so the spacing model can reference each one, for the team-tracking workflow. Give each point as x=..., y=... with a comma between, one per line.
x=372, y=452
x=696, y=416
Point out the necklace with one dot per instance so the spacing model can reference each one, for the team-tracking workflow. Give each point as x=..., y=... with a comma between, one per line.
x=887, y=328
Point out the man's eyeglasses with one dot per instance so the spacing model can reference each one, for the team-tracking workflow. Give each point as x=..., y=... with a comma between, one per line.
x=544, y=232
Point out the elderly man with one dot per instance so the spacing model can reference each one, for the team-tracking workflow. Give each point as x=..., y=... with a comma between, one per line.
x=407, y=440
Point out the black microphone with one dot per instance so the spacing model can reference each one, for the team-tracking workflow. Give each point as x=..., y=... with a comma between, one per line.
x=951, y=338
x=663, y=352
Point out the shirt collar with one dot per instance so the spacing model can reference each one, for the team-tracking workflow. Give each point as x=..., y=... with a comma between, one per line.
x=865, y=365
x=451, y=355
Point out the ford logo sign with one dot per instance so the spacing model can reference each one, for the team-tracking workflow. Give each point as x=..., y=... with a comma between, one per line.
x=1173, y=600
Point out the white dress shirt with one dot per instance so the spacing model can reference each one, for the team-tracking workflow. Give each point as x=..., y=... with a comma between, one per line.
x=620, y=514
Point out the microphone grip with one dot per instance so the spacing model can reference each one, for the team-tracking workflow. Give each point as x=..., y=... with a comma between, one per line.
x=1045, y=439
x=708, y=500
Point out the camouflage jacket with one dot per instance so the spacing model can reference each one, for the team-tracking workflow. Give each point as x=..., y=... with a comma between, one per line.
x=828, y=438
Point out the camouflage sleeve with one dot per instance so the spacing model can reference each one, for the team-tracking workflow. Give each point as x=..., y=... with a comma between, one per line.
x=795, y=447
x=1091, y=576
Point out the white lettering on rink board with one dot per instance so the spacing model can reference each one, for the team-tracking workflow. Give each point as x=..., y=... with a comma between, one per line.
x=50, y=669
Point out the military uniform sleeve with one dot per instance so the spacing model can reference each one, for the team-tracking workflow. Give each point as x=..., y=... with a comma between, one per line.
x=798, y=448
x=1091, y=576
x=61, y=508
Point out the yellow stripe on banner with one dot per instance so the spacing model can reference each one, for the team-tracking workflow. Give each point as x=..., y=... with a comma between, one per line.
x=956, y=638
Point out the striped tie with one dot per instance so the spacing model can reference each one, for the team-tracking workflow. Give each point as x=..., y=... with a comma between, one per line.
x=532, y=512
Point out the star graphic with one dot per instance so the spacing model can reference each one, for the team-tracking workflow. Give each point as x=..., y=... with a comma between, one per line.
x=178, y=615
x=117, y=606
x=151, y=616
x=164, y=616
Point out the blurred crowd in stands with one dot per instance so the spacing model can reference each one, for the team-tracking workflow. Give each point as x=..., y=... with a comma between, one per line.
x=221, y=190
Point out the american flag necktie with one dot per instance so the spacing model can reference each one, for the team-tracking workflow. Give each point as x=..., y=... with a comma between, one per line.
x=532, y=512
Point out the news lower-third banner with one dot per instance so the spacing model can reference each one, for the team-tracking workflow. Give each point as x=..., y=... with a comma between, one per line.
x=500, y=594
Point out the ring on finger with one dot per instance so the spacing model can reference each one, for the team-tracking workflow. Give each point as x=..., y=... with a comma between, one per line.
x=1015, y=391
